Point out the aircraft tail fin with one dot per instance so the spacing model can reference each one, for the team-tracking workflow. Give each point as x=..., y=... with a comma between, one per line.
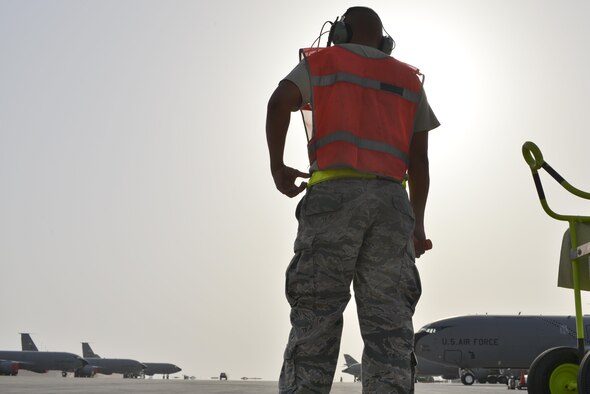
x=87, y=351
x=349, y=360
x=27, y=342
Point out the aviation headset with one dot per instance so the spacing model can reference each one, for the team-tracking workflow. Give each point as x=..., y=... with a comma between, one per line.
x=341, y=33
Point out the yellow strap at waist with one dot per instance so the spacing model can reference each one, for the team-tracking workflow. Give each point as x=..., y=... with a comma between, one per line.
x=326, y=175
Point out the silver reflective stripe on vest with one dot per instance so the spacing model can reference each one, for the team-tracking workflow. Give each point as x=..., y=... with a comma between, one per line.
x=359, y=142
x=330, y=79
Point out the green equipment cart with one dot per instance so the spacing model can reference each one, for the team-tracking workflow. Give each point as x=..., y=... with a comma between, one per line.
x=564, y=370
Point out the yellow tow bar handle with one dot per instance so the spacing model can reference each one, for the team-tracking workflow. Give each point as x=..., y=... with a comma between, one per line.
x=532, y=155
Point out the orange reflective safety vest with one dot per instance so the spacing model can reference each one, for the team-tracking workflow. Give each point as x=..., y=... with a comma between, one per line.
x=362, y=111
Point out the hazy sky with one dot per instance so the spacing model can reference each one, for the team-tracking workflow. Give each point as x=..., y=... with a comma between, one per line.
x=137, y=211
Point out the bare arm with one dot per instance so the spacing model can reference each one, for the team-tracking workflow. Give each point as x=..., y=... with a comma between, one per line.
x=285, y=99
x=419, y=183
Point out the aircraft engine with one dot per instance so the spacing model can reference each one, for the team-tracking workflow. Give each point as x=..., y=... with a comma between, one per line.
x=87, y=371
x=9, y=368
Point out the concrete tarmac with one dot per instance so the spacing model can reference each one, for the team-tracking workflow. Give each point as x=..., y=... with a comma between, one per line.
x=114, y=385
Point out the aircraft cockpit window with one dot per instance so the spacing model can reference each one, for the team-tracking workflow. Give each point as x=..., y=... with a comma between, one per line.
x=428, y=330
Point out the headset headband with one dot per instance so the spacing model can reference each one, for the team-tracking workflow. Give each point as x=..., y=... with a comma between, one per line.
x=341, y=33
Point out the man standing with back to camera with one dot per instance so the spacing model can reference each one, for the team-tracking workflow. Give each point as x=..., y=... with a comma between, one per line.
x=367, y=120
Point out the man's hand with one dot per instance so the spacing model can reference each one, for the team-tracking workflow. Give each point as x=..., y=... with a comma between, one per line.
x=421, y=244
x=285, y=177
x=285, y=98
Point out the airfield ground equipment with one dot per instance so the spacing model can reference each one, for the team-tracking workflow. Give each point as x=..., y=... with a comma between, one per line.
x=564, y=370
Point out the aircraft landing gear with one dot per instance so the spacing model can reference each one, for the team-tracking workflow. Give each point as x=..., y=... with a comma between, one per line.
x=555, y=371
x=64, y=374
x=467, y=378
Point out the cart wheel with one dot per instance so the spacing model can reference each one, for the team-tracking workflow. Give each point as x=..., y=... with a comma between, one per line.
x=555, y=371
x=584, y=375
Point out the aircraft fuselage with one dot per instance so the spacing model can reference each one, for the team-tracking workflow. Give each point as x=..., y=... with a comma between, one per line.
x=109, y=366
x=160, y=368
x=495, y=341
x=44, y=361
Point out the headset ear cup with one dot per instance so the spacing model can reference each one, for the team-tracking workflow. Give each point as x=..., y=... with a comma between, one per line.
x=331, y=34
x=386, y=45
x=340, y=32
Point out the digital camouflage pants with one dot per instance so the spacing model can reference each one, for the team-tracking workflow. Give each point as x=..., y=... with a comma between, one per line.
x=358, y=231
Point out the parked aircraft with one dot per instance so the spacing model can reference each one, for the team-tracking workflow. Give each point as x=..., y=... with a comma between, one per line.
x=28, y=346
x=506, y=344
x=40, y=362
x=353, y=367
x=160, y=368
x=107, y=366
x=425, y=368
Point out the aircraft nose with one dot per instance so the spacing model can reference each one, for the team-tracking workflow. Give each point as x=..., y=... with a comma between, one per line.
x=418, y=336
